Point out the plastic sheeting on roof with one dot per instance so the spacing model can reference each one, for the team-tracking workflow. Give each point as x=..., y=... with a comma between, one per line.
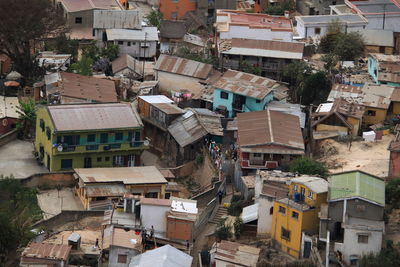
x=250, y=213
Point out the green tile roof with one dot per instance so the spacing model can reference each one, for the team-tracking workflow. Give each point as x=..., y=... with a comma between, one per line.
x=357, y=184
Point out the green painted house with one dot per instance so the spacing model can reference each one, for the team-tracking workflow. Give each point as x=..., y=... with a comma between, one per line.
x=88, y=135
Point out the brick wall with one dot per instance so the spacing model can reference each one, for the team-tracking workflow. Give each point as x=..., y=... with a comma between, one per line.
x=51, y=179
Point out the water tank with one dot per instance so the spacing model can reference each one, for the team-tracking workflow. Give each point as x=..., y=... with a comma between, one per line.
x=297, y=197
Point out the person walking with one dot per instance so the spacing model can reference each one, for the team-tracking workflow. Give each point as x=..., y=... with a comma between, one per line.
x=220, y=195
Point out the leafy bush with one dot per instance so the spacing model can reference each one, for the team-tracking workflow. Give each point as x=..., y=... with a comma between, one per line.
x=392, y=193
x=308, y=166
x=387, y=257
x=238, y=226
x=223, y=231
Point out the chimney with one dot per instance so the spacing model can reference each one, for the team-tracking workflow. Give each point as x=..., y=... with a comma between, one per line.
x=258, y=186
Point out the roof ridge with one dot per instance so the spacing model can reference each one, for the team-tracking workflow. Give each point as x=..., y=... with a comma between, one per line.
x=271, y=134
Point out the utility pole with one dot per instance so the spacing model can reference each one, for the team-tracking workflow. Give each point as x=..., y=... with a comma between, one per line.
x=384, y=16
x=327, y=250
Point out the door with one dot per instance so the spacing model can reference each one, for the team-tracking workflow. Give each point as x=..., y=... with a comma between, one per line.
x=87, y=163
x=48, y=162
x=307, y=249
x=302, y=192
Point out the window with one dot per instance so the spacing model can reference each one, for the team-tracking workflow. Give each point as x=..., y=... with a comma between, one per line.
x=294, y=188
x=42, y=124
x=257, y=155
x=94, y=32
x=104, y=138
x=174, y=15
x=91, y=137
x=310, y=194
x=107, y=159
x=285, y=234
x=317, y=30
x=66, y=163
x=78, y=20
x=119, y=136
x=48, y=133
x=167, y=195
x=282, y=210
x=258, y=101
x=295, y=215
x=70, y=140
x=151, y=195
x=122, y=258
x=99, y=159
x=120, y=42
x=128, y=43
x=271, y=210
x=92, y=147
x=363, y=238
x=224, y=95
x=371, y=113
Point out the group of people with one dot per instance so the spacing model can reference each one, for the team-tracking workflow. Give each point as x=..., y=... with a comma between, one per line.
x=215, y=152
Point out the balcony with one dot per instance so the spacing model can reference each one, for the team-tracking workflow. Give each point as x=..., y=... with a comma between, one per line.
x=90, y=148
x=259, y=164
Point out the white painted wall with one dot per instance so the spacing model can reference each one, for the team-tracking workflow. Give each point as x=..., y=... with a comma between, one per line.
x=256, y=34
x=309, y=30
x=174, y=82
x=154, y=215
x=391, y=22
x=134, y=49
x=350, y=245
x=264, y=224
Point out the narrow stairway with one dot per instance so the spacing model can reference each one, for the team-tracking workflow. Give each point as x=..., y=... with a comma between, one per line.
x=221, y=213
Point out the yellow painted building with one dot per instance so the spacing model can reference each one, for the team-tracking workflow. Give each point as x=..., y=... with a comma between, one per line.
x=298, y=213
x=97, y=186
x=374, y=115
x=88, y=135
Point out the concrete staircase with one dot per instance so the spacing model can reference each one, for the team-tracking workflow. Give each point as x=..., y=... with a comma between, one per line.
x=219, y=215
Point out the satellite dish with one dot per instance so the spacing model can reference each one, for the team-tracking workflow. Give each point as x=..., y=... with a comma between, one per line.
x=60, y=148
x=146, y=142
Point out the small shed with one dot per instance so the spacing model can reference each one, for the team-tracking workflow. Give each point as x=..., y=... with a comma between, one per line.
x=74, y=240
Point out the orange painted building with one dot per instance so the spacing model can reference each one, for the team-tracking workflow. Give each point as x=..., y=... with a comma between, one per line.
x=176, y=9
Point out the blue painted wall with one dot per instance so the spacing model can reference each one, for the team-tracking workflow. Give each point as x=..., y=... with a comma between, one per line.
x=372, y=69
x=250, y=104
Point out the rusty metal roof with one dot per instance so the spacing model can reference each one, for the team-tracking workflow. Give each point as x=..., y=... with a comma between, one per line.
x=270, y=129
x=119, y=237
x=125, y=175
x=246, y=84
x=183, y=66
x=46, y=251
x=194, y=125
x=275, y=190
x=80, y=5
x=117, y=19
x=8, y=107
x=156, y=202
x=86, y=88
x=169, y=108
x=237, y=253
x=89, y=117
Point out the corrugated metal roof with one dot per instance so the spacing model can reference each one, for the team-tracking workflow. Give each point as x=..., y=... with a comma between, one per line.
x=156, y=202
x=85, y=88
x=183, y=66
x=156, y=99
x=149, y=34
x=8, y=107
x=345, y=18
x=94, y=117
x=289, y=108
x=80, y=5
x=172, y=29
x=46, y=251
x=125, y=175
x=325, y=107
x=269, y=129
x=168, y=108
x=195, y=124
x=127, y=61
x=165, y=256
x=316, y=184
x=243, y=255
x=265, y=48
x=184, y=205
x=357, y=184
x=246, y=84
x=378, y=37
x=117, y=19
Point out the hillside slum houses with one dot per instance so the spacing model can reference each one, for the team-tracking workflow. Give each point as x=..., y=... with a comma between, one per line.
x=183, y=142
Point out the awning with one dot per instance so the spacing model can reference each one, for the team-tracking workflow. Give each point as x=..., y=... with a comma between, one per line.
x=250, y=213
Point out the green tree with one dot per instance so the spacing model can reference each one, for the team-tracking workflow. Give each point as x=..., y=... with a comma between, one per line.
x=26, y=117
x=83, y=66
x=111, y=52
x=223, y=231
x=333, y=34
x=63, y=44
x=247, y=67
x=23, y=22
x=392, y=194
x=308, y=166
x=315, y=89
x=349, y=46
x=387, y=257
x=279, y=9
x=154, y=18
x=296, y=73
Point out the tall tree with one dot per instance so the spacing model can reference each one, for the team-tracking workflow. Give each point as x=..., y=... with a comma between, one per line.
x=24, y=22
x=27, y=116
